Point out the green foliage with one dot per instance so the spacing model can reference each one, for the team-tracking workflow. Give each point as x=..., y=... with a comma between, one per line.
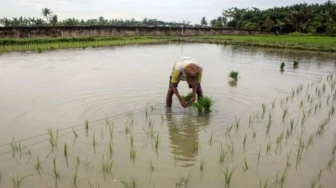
x=295, y=64
x=187, y=97
x=234, y=75
x=282, y=66
x=203, y=104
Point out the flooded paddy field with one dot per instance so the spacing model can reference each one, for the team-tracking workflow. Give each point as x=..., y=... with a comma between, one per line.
x=96, y=118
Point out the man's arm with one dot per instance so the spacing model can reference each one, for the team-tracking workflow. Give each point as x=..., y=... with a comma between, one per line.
x=176, y=92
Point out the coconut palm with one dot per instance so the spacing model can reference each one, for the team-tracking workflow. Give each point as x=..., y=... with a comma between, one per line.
x=46, y=12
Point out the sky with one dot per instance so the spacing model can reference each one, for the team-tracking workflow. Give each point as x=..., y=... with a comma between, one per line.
x=170, y=10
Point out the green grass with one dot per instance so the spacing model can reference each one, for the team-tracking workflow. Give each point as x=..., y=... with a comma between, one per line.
x=313, y=43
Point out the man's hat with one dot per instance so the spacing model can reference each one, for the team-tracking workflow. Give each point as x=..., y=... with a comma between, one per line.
x=192, y=72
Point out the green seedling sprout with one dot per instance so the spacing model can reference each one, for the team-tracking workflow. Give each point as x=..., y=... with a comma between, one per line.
x=38, y=166
x=65, y=149
x=151, y=167
x=74, y=178
x=202, y=166
x=245, y=167
x=56, y=173
x=259, y=156
x=295, y=64
x=210, y=140
x=234, y=75
x=244, y=141
x=132, y=154
x=17, y=181
x=131, y=184
x=222, y=155
x=106, y=165
x=86, y=123
x=268, y=147
x=195, y=145
x=183, y=181
x=282, y=66
x=265, y=185
x=75, y=133
x=228, y=173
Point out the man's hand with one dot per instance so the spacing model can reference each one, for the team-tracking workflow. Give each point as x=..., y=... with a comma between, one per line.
x=183, y=103
x=192, y=100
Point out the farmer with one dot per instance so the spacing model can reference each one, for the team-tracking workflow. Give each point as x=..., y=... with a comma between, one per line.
x=185, y=69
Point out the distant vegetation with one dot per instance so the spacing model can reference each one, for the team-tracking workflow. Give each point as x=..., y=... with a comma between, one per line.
x=302, y=18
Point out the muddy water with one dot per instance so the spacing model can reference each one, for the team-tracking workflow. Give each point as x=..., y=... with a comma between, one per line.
x=121, y=92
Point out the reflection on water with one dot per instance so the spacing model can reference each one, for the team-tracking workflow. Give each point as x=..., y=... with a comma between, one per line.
x=183, y=135
x=233, y=83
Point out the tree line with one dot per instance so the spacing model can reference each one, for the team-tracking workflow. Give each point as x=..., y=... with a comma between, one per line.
x=303, y=18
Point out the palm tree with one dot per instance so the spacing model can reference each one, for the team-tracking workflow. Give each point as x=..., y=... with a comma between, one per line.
x=46, y=12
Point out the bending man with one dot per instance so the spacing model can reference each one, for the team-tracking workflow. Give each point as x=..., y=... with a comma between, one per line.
x=185, y=69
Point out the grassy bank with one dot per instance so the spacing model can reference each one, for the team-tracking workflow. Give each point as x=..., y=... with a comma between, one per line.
x=42, y=44
x=313, y=43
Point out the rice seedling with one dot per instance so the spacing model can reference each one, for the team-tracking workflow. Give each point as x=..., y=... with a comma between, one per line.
x=156, y=141
x=299, y=152
x=65, y=149
x=273, y=103
x=254, y=133
x=269, y=123
x=94, y=142
x=259, y=156
x=202, y=166
x=86, y=123
x=210, y=139
x=204, y=104
x=38, y=166
x=195, y=145
x=88, y=165
x=183, y=181
x=288, y=162
x=74, y=178
x=234, y=75
x=93, y=186
x=265, y=185
x=132, y=154
x=268, y=147
x=151, y=166
x=313, y=184
x=77, y=162
x=75, y=133
x=106, y=165
x=228, y=173
x=237, y=121
x=244, y=141
x=264, y=106
x=231, y=148
x=17, y=181
x=132, y=140
x=39, y=50
x=281, y=180
x=16, y=148
x=222, y=155
x=111, y=132
x=56, y=173
x=245, y=167
x=331, y=161
x=295, y=64
x=228, y=130
x=131, y=184
x=284, y=114
x=282, y=66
